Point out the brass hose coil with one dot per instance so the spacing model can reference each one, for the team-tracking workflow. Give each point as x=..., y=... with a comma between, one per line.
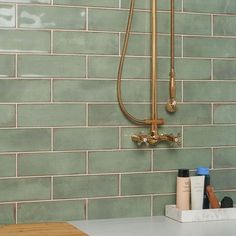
x=121, y=65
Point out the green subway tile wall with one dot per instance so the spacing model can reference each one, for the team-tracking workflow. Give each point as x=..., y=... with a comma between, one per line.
x=7, y=215
x=121, y=207
x=51, y=211
x=51, y=18
x=7, y=165
x=7, y=16
x=24, y=41
x=65, y=147
x=85, y=186
x=33, y=164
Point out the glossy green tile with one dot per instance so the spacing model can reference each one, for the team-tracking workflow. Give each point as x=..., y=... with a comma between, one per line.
x=224, y=158
x=51, y=66
x=210, y=6
x=213, y=91
x=159, y=203
x=192, y=24
x=54, y=211
x=209, y=136
x=224, y=114
x=111, y=114
x=51, y=164
x=186, y=23
x=107, y=115
x=116, y=20
x=24, y=90
x=7, y=166
x=174, y=159
x=189, y=69
x=98, y=114
x=100, y=3
x=85, y=186
x=185, y=69
x=223, y=25
x=223, y=179
x=71, y=90
x=85, y=138
x=51, y=17
x=119, y=207
x=119, y=161
x=209, y=47
x=25, y=189
x=145, y=4
x=7, y=15
x=84, y=42
x=187, y=114
x=150, y=183
x=25, y=140
x=84, y=90
x=27, y=1
x=107, y=67
x=51, y=115
x=224, y=69
x=7, y=214
x=7, y=65
x=8, y=116
x=139, y=44
x=105, y=91
x=126, y=133
x=24, y=41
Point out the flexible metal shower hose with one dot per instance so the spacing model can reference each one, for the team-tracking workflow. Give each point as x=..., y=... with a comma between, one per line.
x=121, y=65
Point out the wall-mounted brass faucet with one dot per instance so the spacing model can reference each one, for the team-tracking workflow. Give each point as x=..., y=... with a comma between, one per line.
x=154, y=137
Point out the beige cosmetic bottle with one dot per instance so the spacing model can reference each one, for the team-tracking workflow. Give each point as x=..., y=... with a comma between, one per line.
x=183, y=190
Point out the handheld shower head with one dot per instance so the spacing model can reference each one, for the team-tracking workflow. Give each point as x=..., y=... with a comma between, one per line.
x=171, y=105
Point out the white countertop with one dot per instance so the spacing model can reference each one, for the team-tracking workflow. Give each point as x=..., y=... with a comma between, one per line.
x=155, y=226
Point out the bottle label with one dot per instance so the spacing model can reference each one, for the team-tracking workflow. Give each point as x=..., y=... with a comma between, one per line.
x=183, y=193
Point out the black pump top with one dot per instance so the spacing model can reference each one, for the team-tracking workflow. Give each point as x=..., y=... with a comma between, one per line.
x=183, y=173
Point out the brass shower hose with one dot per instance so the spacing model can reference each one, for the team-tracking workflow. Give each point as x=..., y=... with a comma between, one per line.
x=154, y=121
x=120, y=70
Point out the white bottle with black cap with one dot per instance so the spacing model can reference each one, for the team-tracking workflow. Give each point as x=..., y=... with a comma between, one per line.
x=183, y=190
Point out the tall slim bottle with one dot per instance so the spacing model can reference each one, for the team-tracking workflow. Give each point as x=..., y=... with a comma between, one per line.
x=183, y=190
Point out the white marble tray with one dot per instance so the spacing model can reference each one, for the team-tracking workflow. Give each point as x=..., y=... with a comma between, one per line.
x=200, y=215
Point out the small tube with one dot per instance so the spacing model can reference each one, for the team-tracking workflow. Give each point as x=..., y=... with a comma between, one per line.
x=197, y=190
